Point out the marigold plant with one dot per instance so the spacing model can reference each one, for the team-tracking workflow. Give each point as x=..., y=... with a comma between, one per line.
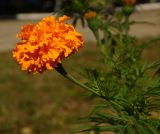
x=130, y=95
x=45, y=44
x=128, y=86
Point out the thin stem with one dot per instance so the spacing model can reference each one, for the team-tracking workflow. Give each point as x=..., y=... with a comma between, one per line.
x=99, y=43
x=96, y=34
x=126, y=23
x=69, y=77
x=114, y=103
x=63, y=72
x=126, y=28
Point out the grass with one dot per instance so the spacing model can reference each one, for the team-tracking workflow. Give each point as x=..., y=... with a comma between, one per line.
x=44, y=103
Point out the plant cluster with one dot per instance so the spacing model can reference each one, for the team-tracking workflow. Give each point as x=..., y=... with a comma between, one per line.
x=128, y=87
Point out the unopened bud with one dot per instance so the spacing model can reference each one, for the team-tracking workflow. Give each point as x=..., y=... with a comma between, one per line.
x=129, y=2
x=90, y=15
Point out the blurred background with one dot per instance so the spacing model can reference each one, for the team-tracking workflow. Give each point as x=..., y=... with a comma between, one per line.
x=26, y=6
x=23, y=6
x=47, y=103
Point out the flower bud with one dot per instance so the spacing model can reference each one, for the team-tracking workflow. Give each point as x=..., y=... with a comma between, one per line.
x=90, y=15
x=127, y=10
x=129, y=2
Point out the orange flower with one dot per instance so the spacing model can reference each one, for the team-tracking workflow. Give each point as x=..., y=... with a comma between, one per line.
x=129, y=2
x=90, y=15
x=46, y=44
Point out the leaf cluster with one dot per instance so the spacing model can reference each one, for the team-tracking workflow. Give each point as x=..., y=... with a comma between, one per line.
x=78, y=8
x=131, y=95
x=130, y=92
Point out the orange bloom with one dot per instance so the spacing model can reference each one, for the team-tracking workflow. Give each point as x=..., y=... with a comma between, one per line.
x=129, y=2
x=90, y=15
x=46, y=44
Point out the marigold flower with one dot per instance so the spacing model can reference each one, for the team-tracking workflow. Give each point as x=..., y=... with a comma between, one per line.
x=45, y=44
x=90, y=15
x=129, y=2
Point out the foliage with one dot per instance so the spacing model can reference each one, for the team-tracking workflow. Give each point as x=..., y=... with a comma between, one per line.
x=77, y=8
x=128, y=86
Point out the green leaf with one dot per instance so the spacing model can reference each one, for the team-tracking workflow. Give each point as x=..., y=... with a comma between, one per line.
x=98, y=128
x=87, y=132
x=78, y=5
x=153, y=65
x=130, y=130
x=140, y=129
x=98, y=108
x=114, y=117
x=150, y=127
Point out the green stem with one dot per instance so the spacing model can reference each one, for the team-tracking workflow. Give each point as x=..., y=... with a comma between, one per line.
x=108, y=44
x=116, y=104
x=62, y=71
x=126, y=23
x=99, y=43
x=96, y=34
x=69, y=77
x=126, y=27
